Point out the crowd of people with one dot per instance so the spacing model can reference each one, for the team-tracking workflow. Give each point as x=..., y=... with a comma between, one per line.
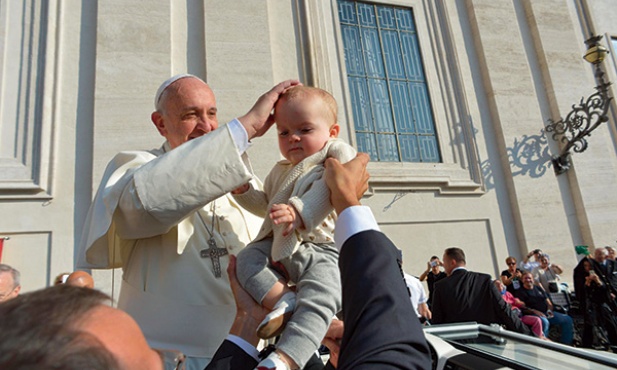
x=175, y=218
x=534, y=293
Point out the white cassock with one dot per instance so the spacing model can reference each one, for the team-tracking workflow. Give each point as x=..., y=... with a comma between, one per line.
x=146, y=219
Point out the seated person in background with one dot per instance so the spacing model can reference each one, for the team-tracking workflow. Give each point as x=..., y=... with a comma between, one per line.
x=470, y=296
x=10, y=284
x=296, y=241
x=547, y=274
x=537, y=303
x=527, y=265
x=606, y=269
x=432, y=275
x=595, y=302
x=534, y=322
x=511, y=277
x=80, y=279
x=416, y=294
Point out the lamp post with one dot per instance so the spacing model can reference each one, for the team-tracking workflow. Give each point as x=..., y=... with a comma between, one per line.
x=585, y=116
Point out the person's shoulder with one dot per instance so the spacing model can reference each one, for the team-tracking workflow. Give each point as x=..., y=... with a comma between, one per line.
x=481, y=276
x=505, y=273
x=133, y=158
x=477, y=278
x=441, y=282
x=413, y=279
x=140, y=153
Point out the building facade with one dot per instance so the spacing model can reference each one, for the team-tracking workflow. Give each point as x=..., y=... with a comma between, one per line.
x=449, y=97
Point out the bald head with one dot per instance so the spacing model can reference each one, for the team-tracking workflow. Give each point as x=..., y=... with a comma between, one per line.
x=600, y=254
x=9, y=282
x=80, y=279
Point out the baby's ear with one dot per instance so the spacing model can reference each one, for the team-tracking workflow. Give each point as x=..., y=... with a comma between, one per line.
x=334, y=130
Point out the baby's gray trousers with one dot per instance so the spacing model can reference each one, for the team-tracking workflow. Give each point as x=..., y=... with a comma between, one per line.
x=314, y=270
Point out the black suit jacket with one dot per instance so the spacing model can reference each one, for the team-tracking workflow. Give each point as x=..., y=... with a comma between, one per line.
x=231, y=357
x=607, y=273
x=472, y=296
x=381, y=328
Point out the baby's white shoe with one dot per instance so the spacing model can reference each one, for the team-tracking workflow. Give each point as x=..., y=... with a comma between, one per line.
x=274, y=322
x=272, y=362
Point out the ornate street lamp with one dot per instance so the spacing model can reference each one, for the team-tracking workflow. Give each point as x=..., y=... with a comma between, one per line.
x=584, y=117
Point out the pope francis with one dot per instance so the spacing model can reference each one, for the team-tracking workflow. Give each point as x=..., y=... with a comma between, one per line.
x=165, y=217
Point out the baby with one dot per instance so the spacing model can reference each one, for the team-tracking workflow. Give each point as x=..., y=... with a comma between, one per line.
x=296, y=243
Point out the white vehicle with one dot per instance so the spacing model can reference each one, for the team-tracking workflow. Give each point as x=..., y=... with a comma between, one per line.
x=476, y=346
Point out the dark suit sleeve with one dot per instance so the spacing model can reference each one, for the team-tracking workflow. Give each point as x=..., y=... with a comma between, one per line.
x=437, y=308
x=504, y=312
x=612, y=276
x=231, y=357
x=381, y=328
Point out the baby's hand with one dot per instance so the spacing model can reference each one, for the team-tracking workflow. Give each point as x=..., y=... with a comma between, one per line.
x=241, y=190
x=284, y=213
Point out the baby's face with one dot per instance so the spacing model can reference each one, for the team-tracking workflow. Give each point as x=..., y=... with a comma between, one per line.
x=303, y=127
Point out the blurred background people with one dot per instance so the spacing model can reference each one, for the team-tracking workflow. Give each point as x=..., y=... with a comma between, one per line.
x=432, y=275
x=417, y=294
x=418, y=297
x=547, y=274
x=470, y=296
x=533, y=322
x=511, y=277
x=596, y=304
x=606, y=269
x=61, y=278
x=9, y=282
x=80, y=279
x=537, y=303
x=527, y=265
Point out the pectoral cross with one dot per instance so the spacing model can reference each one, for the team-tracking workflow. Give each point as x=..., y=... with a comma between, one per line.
x=214, y=253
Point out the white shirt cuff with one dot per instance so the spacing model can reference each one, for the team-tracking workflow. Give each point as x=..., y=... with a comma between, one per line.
x=351, y=221
x=239, y=135
x=244, y=345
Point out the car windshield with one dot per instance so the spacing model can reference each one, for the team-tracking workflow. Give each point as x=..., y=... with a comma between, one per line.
x=519, y=351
